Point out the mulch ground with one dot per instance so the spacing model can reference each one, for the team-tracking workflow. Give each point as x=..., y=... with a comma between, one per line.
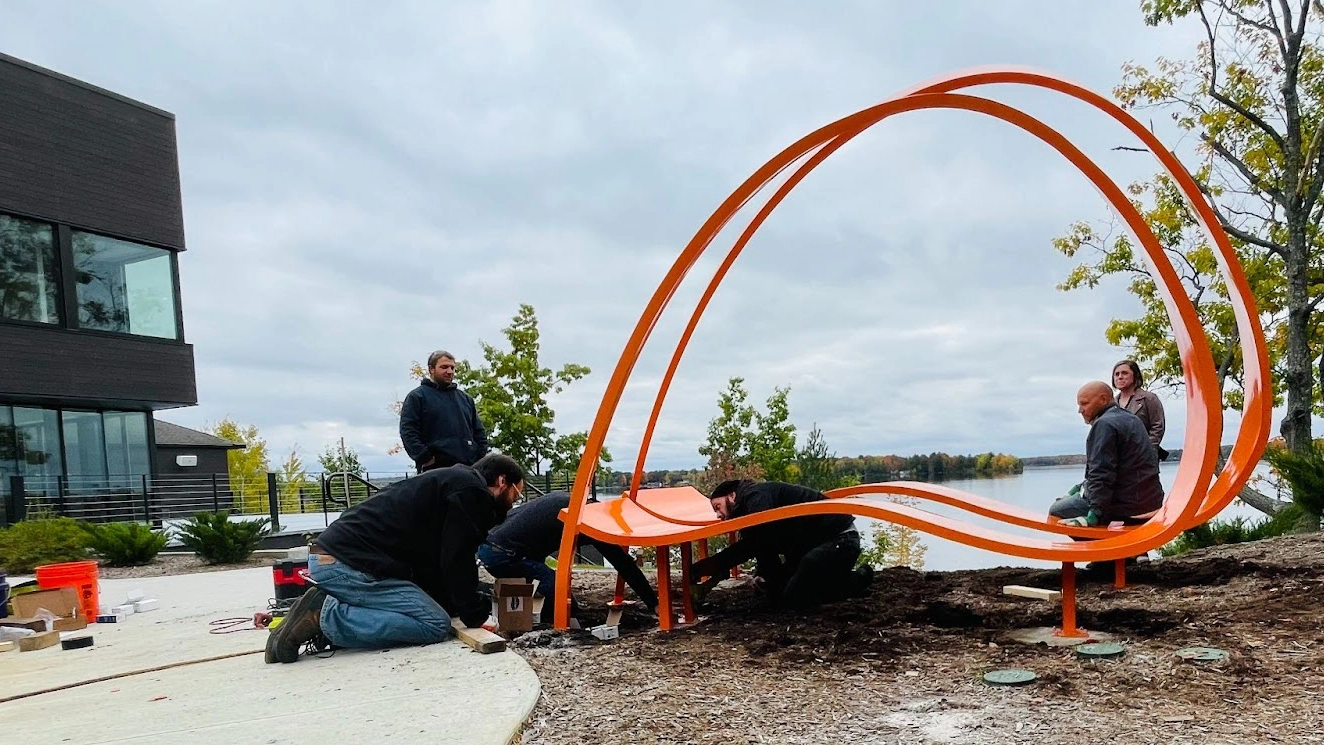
x=905, y=663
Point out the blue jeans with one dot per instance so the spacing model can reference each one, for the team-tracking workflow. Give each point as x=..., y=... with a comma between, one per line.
x=506, y=565
x=366, y=612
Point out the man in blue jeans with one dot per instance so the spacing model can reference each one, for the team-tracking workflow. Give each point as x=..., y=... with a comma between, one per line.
x=394, y=569
x=519, y=547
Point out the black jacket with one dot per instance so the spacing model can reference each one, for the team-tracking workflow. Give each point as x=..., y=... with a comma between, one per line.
x=442, y=423
x=793, y=537
x=533, y=531
x=1121, y=466
x=426, y=530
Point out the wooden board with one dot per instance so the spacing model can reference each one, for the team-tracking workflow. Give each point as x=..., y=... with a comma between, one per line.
x=479, y=639
x=614, y=616
x=39, y=641
x=6, y=646
x=1036, y=593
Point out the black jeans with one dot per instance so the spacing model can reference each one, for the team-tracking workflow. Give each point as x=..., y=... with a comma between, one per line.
x=825, y=574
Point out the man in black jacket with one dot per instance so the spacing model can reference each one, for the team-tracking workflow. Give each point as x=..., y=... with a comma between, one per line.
x=519, y=547
x=1121, y=465
x=394, y=569
x=439, y=424
x=803, y=561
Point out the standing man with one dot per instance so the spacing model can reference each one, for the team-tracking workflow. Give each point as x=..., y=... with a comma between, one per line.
x=394, y=569
x=820, y=550
x=439, y=424
x=1121, y=465
x=519, y=547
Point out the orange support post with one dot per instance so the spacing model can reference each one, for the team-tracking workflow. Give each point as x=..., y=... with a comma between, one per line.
x=1119, y=574
x=703, y=548
x=686, y=602
x=665, y=617
x=1069, y=603
x=732, y=538
x=619, y=599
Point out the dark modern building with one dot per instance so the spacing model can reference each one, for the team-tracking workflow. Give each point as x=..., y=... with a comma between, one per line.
x=181, y=451
x=91, y=328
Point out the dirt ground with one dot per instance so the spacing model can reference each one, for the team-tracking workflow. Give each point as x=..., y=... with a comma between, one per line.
x=165, y=564
x=904, y=665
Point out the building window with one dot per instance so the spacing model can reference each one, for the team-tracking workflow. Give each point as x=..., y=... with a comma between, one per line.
x=8, y=448
x=127, y=452
x=84, y=449
x=29, y=272
x=124, y=287
x=38, y=442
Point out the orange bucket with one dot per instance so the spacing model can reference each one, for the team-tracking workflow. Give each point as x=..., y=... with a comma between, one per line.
x=80, y=575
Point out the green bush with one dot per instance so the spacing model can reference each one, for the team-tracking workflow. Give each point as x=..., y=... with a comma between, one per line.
x=125, y=544
x=42, y=539
x=1304, y=474
x=218, y=540
x=1235, y=530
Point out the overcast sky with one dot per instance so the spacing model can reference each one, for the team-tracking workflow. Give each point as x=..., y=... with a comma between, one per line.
x=363, y=186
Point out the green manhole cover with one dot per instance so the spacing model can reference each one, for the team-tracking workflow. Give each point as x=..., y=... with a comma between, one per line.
x=1009, y=677
x=1202, y=654
x=1100, y=650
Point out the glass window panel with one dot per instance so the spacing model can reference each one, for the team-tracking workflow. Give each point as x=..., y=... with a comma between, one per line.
x=84, y=449
x=29, y=271
x=39, y=456
x=124, y=287
x=126, y=443
x=8, y=448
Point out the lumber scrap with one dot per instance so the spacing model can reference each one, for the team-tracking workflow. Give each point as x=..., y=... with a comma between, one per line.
x=1035, y=593
x=480, y=639
x=39, y=641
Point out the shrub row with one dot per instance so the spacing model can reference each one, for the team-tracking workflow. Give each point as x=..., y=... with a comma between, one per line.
x=47, y=539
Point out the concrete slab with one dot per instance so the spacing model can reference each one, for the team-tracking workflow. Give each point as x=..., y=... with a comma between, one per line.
x=443, y=693
x=1048, y=635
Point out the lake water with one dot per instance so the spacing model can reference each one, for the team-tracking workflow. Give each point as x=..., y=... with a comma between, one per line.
x=1035, y=489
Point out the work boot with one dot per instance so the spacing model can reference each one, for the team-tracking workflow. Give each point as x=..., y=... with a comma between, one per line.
x=302, y=625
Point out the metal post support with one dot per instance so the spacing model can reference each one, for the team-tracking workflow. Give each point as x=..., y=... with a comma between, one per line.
x=687, y=601
x=147, y=501
x=665, y=617
x=273, y=501
x=1069, y=603
x=16, y=502
x=1119, y=574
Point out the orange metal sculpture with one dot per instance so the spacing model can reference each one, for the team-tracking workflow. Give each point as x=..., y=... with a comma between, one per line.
x=666, y=517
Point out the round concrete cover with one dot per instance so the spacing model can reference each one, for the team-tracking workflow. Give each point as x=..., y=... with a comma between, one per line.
x=1202, y=654
x=1009, y=677
x=1100, y=650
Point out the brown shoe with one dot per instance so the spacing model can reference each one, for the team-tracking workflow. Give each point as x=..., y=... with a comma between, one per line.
x=302, y=624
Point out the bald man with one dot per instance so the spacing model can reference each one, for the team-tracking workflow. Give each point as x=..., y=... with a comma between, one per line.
x=1121, y=465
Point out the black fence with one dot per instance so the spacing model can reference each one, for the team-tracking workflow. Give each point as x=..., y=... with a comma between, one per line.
x=157, y=499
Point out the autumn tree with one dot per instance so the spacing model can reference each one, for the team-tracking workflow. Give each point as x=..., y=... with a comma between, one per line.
x=1253, y=95
x=291, y=480
x=248, y=466
x=340, y=459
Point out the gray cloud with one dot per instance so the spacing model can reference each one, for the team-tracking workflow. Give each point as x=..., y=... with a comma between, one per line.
x=361, y=187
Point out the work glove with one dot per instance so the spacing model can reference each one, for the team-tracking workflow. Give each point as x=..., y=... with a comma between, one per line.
x=1091, y=519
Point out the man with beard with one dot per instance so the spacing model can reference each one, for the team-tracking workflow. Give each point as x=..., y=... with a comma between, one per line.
x=394, y=569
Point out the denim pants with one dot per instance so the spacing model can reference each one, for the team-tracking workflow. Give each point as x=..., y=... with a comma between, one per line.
x=503, y=564
x=365, y=612
x=1073, y=504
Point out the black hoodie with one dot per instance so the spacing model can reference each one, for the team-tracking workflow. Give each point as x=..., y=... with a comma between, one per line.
x=426, y=530
x=441, y=422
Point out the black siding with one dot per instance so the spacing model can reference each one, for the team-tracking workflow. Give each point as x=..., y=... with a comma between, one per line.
x=73, y=153
x=58, y=367
x=210, y=460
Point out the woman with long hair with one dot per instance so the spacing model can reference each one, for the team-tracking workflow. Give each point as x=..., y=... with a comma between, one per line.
x=1132, y=396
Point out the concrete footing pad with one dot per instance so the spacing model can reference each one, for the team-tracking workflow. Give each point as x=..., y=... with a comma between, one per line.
x=1047, y=635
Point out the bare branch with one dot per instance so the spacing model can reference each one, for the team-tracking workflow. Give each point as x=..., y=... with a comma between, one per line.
x=1282, y=46
x=1251, y=177
x=1132, y=149
x=1261, y=25
x=1214, y=93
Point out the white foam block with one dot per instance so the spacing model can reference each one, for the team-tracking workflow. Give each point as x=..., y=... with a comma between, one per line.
x=605, y=631
x=134, y=595
x=142, y=606
x=122, y=610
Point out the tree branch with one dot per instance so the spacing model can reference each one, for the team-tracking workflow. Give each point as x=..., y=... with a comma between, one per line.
x=1251, y=177
x=1214, y=93
x=1262, y=502
x=1282, y=46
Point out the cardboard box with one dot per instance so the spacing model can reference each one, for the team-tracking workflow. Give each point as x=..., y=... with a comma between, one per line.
x=62, y=602
x=514, y=599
